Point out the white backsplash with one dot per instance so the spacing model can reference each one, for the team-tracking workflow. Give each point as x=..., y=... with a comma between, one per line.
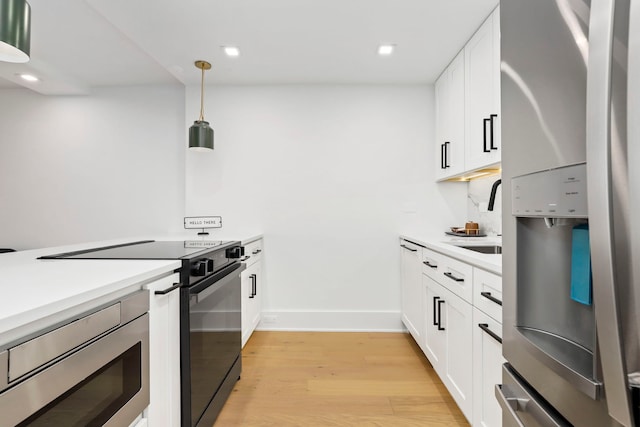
x=478, y=192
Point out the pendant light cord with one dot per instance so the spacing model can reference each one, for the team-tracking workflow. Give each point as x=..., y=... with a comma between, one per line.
x=202, y=97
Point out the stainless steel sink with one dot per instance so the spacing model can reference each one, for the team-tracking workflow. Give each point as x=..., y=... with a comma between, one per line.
x=493, y=249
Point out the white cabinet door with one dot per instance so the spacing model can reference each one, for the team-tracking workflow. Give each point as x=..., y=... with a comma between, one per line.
x=487, y=365
x=255, y=307
x=411, y=282
x=164, y=353
x=251, y=294
x=435, y=339
x=450, y=96
x=448, y=341
x=252, y=289
x=456, y=319
x=482, y=100
x=454, y=143
x=442, y=123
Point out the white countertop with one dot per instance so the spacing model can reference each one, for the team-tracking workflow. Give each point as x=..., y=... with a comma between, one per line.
x=36, y=293
x=447, y=245
x=33, y=292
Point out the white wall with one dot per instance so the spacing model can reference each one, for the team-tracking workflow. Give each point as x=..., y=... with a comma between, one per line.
x=78, y=169
x=331, y=175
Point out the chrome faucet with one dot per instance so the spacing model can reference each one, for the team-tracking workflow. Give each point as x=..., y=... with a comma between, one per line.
x=492, y=197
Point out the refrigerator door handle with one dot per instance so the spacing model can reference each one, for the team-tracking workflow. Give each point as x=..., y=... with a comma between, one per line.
x=600, y=211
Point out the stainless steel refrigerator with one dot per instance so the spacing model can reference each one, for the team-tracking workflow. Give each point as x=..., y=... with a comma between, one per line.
x=570, y=76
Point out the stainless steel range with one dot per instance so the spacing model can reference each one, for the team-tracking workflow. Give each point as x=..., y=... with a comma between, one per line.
x=210, y=317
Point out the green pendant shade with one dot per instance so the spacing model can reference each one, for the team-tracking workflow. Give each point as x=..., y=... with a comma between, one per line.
x=15, y=30
x=200, y=136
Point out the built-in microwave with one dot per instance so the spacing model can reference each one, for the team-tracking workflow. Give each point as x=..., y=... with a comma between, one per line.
x=91, y=370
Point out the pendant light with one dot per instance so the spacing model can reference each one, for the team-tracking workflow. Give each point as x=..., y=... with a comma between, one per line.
x=15, y=30
x=200, y=134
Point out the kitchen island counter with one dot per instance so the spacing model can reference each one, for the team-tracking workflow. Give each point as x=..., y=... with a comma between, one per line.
x=38, y=293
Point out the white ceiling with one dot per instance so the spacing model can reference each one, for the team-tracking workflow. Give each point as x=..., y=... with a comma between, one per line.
x=79, y=44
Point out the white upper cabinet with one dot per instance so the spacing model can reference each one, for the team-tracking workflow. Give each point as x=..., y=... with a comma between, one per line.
x=482, y=101
x=450, y=125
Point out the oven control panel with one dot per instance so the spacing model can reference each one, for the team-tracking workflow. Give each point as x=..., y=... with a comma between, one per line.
x=213, y=261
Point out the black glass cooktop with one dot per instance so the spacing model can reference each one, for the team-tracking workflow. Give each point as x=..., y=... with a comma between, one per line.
x=146, y=249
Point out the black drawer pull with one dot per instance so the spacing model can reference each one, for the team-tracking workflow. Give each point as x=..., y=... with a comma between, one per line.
x=488, y=296
x=440, y=328
x=166, y=291
x=257, y=251
x=485, y=327
x=435, y=313
x=244, y=258
x=408, y=248
x=428, y=264
x=452, y=277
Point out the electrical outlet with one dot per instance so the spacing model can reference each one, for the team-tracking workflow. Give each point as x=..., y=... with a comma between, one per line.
x=270, y=318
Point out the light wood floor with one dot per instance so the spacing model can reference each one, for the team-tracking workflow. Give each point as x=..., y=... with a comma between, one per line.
x=337, y=379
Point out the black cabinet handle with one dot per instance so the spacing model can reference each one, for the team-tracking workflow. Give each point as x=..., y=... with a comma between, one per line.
x=428, y=264
x=488, y=296
x=440, y=328
x=491, y=117
x=435, y=314
x=408, y=248
x=257, y=251
x=244, y=258
x=452, y=277
x=166, y=291
x=484, y=136
x=446, y=155
x=255, y=284
x=485, y=327
x=441, y=156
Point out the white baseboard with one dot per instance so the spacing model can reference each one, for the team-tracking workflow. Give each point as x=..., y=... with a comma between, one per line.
x=332, y=321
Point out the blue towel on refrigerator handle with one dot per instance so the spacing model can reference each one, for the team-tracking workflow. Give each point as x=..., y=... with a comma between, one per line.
x=581, y=281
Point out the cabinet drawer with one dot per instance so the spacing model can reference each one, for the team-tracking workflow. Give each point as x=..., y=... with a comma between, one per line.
x=253, y=252
x=456, y=276
x=487, y=293
x=431, y=263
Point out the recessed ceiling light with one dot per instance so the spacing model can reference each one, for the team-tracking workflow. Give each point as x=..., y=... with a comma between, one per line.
x=231, y=51
x=29, y=77
x=386, y=49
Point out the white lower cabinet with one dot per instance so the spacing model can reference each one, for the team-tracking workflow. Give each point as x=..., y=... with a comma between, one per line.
x=252, y=289
x=251, y=300
x=459, y=327
x=487, y=364
x=164, y=352
x=448, y=341
x=435, y=341
x=412, y=317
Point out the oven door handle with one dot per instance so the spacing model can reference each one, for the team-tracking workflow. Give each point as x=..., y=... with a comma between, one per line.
x=211, y=285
